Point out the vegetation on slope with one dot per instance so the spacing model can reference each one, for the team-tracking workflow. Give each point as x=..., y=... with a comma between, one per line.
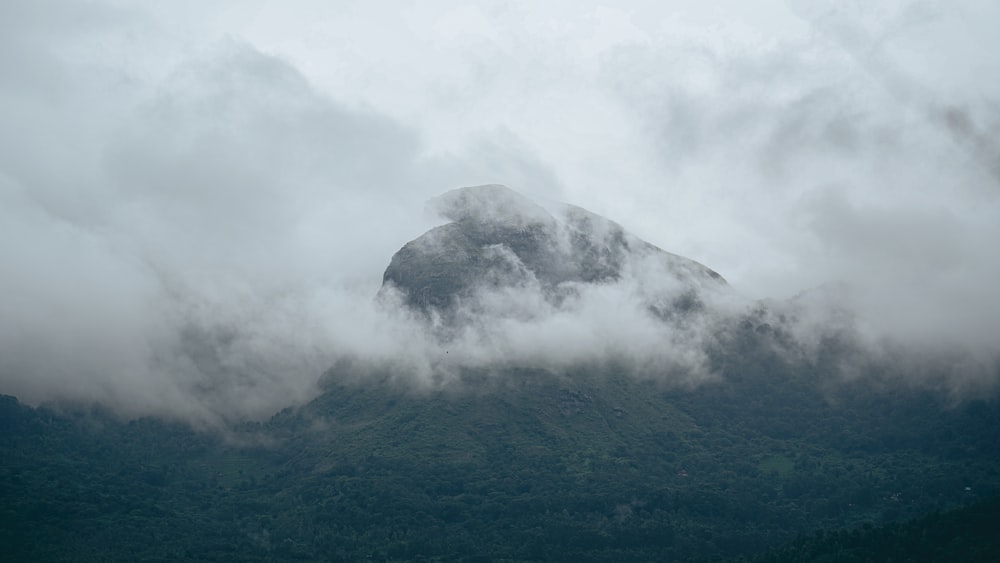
x=517, y=465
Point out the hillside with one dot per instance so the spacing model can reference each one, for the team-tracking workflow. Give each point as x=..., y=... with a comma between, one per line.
x=539, y=467
x=966, y=534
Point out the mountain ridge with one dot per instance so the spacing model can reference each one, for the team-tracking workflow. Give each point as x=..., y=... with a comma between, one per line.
x=498, y=239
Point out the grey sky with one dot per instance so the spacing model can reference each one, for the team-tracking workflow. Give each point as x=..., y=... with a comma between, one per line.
x=172, y=167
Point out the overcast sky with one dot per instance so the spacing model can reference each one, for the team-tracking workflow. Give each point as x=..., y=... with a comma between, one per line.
x=170, y=167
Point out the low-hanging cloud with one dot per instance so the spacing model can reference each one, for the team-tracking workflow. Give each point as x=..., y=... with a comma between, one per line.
x=194, y=219
x=204, y=244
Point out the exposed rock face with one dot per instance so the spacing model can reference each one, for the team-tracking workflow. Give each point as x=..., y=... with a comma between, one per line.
x=500, y=240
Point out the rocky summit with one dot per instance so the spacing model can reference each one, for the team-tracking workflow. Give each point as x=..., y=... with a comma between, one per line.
x=499, y=240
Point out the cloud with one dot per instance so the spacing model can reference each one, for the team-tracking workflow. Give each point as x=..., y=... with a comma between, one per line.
x=197, y=201
x=803, y=159
x=203, y=243
x=606, y=325
x=979, y=140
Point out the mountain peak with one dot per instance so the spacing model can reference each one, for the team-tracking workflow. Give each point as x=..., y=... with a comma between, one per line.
x=499, y=240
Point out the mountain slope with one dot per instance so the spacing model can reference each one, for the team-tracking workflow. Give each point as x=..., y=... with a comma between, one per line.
x=966, y=534
x=616, y=454
x=522, y=465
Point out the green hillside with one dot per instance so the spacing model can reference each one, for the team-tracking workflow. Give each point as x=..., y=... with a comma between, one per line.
x=965, y=534
x=515, y=464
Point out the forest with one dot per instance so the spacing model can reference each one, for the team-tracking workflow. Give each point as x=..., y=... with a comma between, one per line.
x=775, y=463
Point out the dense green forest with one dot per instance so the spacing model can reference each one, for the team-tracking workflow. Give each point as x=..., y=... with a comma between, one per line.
x=511, y=465
x=965, y=534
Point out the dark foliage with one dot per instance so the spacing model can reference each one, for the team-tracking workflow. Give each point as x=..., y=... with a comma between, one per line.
x=516, y=465
x=966, y=534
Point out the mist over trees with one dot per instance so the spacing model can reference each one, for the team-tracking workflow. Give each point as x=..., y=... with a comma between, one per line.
x=742, y=287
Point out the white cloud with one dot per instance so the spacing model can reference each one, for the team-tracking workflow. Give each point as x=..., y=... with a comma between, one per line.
x=186, y=167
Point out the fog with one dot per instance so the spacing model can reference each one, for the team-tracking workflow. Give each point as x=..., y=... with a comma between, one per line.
x=198, y=200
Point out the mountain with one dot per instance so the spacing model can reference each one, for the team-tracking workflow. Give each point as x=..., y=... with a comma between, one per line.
x=521, y=458
x=498, y=240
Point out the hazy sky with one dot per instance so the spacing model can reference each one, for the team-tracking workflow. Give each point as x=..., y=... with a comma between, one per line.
x=171, y=169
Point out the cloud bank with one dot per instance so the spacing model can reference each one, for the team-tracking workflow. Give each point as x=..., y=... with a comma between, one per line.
x=197, y=201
